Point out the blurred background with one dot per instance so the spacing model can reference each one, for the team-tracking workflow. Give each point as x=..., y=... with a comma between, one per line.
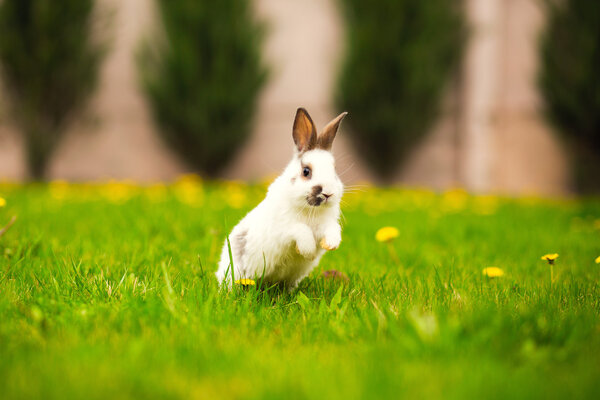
x=495, y=96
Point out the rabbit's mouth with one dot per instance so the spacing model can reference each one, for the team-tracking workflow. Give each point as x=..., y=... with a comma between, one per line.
x=316, y=197
x=317, y=200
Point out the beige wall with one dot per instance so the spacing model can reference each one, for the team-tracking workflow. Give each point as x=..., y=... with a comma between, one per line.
x=489, y=137
x=12, y=166
x=528, y=156
x=506, y=145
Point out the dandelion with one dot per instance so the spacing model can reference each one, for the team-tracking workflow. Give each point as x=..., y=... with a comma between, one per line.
x=493, y=272
x=118, y=192
x=235, y=194
x=386, y=235
x=551, y=258
x=245, y=282
x=597, y=260
x=59, y=189
x=454, y=200
x=189, y=190
x=2, y=202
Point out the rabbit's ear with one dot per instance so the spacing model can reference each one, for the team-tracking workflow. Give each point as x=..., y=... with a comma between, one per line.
x=304, y=132
x=325, y=139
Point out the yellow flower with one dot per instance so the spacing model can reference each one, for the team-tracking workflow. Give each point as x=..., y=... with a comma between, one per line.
x=493, y=272
x=550, y=257
x=235, y=194
x=59, y=189
x=454, y=200
x=598, y=260
x=386, y=234
x=118, y=192
x=189, y=190
x=245, y=282
x=2, y=202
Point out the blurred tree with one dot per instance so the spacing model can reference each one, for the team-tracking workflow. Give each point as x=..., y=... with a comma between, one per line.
x=202, y=81
x=400, y=55
x=570, y=82
x=49, y=65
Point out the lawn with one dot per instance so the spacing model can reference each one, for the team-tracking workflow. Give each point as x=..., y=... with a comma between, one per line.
x=107, y=291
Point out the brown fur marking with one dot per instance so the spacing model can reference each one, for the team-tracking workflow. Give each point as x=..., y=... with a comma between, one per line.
x=313, y=198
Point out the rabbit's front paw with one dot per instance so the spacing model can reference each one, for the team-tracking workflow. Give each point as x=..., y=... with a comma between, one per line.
x=324, y=245
x=330, y=242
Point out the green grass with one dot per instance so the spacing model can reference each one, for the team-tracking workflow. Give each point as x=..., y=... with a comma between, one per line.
x=108, y=292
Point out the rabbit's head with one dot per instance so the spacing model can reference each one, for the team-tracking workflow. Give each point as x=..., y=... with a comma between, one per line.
x=311, y=177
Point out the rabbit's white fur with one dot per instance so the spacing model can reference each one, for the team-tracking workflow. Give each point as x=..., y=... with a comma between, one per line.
x=284, y=237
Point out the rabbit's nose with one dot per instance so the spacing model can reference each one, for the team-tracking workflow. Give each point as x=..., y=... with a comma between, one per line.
x=327, y=195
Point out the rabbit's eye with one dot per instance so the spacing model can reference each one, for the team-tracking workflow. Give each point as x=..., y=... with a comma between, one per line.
x=306, y=172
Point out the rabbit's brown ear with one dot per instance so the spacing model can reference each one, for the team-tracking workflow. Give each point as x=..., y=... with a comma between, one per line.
x=304, y=132
x=325, y=139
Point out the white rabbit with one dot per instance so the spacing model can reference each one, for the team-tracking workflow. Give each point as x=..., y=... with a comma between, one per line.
x=284, y=237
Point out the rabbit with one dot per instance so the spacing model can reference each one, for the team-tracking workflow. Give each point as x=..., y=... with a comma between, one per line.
x=284, y=237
